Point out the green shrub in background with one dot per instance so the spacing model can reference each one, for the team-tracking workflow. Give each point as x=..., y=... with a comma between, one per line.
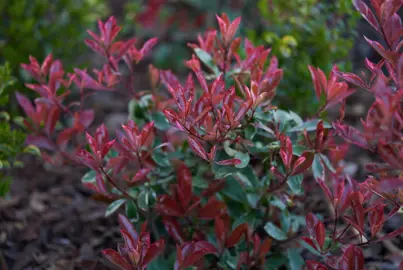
x=38, y=27
x=300, y=32
x=12, y=136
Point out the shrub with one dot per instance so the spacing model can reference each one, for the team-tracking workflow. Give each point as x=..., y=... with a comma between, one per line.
x=12, y=136
x=214, y=175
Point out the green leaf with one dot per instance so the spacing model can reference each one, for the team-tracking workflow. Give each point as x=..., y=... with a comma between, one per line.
x=146, y=200
x=114, y=206
x=89, y=177
x=317, y=167
x=5, y=116
x=250, y=132
x=249, y=218
x=309, y=126
x=295, y=184
x=275, y=231
x=327, y=163
x=159, y=263
x=244, y=158
x=206, y=58
x=160, y=121
x=297, y=119
x=278, y=203
x=295, y=260
x=275, y=261
x=234, y=190
x=231, y=152
x=299, y=149
x=5, y=183
x=131, y=211
x=32, y=149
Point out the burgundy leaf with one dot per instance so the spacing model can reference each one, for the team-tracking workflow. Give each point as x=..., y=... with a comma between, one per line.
x=117, y=259
x=236, y=235
x=228, y=162
x=173, y=229
x=309, y=241
x=352, y=259
x=320, y=234
x=154, y=251
x=197, y=148
x=313, y=265
x=41, y=142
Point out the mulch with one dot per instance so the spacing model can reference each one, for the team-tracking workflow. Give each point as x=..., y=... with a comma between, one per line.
x=51, y=222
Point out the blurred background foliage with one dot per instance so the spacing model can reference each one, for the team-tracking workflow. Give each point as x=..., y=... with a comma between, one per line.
x=300, y=32
x=11, y=138
x=38, y=27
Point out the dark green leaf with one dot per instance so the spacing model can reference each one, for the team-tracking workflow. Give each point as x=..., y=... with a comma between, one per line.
x=295, y=184
x=244, y=158
x=295, y=260
x=89, y=177
x=309, y=126
x=275, y=231
x=114, y=206
x=317, y=167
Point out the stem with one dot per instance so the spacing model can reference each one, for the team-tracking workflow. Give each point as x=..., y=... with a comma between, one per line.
x=113, y=183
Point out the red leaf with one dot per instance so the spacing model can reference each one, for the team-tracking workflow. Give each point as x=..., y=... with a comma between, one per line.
x=220, y=231
x=168, y=206
x=52, y=117
x=26, y=105
x=388, y=8
x=312, y=265
x=140, y=176
x=311, y=221
x=154, y=251
x=211, y=209
x=184, y=179
x=236, y=235
x=325, y=189
x=353, y=259
x=309, y=241
x=351, y=135
x=117, y=259
x=319, y=80
x=173, y=229
x=233, y=27
x=320, y=234
x=389, y=184
x=376, y=219
x=197, y=148
x=228, y=162
x=148, y=46
x=46, y=64
x=125, y=224
x=41, y=142
x=303, y=163
x=388, y=55
x=351, y=78
x=391, y=235
x=367, y=14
